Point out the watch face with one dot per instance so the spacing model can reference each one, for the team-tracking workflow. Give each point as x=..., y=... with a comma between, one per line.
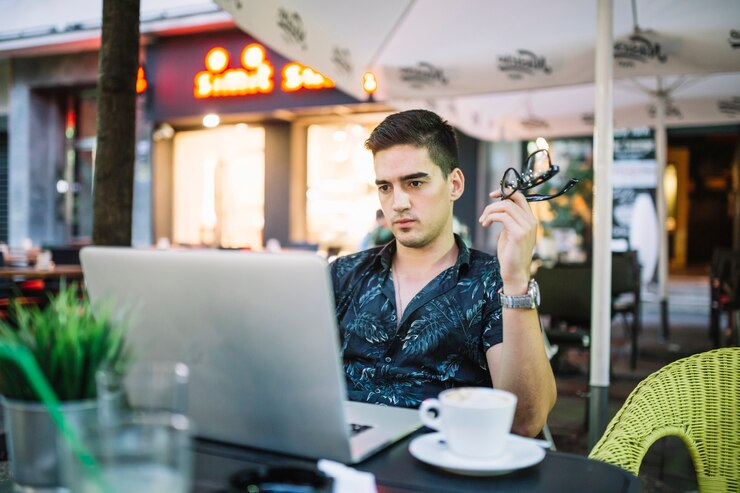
x=534, y=292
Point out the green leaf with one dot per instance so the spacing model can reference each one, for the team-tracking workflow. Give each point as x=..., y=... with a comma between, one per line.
x=69, y=339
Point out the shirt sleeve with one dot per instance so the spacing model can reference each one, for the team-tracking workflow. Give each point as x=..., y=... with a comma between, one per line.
x=493, y=327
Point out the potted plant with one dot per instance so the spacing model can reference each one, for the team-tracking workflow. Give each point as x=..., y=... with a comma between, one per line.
x=69, y=342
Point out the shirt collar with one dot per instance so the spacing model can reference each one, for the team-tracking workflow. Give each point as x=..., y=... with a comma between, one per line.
x=385, y=255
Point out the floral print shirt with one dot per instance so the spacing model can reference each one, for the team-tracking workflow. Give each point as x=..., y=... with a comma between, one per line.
x=441, y=340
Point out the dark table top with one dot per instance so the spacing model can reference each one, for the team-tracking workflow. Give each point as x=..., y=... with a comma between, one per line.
x=396, y=471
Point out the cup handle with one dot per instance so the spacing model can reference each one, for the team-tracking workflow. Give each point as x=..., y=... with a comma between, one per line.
x=427, y=407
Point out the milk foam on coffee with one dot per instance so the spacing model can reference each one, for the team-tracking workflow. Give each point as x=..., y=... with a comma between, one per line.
x=476, y=398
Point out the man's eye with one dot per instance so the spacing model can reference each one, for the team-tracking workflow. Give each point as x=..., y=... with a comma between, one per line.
x=383, y=188
x=415, y=183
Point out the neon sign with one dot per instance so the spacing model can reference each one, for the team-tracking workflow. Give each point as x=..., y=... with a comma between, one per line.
x=255, y=76
x=297, y=76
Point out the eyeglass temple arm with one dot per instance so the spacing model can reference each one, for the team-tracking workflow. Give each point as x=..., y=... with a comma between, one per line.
x=539, y=198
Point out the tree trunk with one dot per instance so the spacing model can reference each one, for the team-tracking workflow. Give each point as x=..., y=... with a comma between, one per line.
x=116, y=125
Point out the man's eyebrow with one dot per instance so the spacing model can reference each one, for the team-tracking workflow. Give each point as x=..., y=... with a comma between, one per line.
x=412, y=176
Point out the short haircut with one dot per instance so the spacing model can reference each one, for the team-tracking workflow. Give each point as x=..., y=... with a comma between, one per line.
x=418, y=128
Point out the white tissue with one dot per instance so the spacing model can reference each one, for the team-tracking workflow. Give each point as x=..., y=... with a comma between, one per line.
x=347, y=479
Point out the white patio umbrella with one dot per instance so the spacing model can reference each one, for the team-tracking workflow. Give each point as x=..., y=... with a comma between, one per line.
x=435, y=48
x=432, y=49
x=697, y=100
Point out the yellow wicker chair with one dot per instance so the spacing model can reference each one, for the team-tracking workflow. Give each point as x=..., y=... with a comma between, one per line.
x=695, y=398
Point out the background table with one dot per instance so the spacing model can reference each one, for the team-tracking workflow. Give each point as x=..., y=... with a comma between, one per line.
x=56, y=272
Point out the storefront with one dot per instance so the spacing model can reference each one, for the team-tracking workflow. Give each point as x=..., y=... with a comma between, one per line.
x=52, y=114
x=248, y=146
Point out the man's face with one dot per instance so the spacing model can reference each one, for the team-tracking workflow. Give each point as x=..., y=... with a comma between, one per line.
x=414, y=196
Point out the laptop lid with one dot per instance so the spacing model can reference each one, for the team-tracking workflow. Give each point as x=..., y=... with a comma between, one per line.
x=258, y=331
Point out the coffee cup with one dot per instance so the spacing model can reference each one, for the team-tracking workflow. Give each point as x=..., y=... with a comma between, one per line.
x=475, y=421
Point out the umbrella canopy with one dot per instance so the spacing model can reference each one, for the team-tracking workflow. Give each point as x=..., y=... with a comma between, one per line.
x=569, y=111
x=437, y=48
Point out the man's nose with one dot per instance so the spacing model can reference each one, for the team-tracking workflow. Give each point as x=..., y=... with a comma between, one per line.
x=400, y=200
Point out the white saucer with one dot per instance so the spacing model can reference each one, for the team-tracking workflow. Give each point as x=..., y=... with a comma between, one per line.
x=520, y=453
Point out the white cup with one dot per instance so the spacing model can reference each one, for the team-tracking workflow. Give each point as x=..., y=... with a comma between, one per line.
x=475, y=421
x=43, y=260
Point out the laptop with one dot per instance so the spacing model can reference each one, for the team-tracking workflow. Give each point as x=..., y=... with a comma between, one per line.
x=258, y=331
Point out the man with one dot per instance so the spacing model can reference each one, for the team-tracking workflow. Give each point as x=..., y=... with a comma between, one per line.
x=422, y=313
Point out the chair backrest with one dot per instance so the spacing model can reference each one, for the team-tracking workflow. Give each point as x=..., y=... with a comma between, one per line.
x=65, y=255
x=566, y=293
x=696, y=399
x=566, y=289
x=625, y=272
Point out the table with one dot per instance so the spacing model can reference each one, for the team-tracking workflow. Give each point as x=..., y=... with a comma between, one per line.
x=56, y=272
x=396, y=471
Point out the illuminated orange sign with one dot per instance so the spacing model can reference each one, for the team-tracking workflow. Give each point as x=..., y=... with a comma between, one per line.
x=253, y=77
x=141, y=83
x=297, y=76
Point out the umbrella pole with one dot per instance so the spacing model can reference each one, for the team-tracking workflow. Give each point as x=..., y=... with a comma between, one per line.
x=660, y=156
x=602, y=226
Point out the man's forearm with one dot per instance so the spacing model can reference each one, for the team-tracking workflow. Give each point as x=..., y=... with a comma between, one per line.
x=520, y=365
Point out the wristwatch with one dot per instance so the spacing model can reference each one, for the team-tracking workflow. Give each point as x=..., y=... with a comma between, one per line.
x=524, y=302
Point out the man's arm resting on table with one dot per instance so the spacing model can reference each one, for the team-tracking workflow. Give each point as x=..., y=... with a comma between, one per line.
x=520, y=365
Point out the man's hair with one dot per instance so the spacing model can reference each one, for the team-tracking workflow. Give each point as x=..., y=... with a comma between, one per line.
x=418, y=128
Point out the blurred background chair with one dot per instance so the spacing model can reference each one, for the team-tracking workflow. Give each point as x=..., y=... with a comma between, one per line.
x=724, y=285
x=566, y=299
x=65, y=254
x=696, y=399
x=626, y=291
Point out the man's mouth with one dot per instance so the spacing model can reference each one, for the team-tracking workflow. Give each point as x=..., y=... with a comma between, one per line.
x=403, y=222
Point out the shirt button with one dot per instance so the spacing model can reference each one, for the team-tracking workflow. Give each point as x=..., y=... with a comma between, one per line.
x=388, y=359
x=377, y=391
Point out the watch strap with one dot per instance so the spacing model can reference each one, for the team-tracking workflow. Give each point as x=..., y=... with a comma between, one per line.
x=522, y=302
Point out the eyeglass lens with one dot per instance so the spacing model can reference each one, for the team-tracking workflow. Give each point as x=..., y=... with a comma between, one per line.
x=538, y=163
x=509, y=183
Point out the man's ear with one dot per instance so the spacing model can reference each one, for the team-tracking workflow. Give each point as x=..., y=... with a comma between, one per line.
x=456, y=182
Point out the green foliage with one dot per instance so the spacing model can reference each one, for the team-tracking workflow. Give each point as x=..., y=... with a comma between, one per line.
x=70, y=342
x=573, y=210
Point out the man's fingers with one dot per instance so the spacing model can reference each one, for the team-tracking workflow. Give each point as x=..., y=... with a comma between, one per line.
x=521, y=215
x=510, y=224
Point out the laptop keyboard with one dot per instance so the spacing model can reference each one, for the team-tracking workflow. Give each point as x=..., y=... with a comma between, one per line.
x=355, y=428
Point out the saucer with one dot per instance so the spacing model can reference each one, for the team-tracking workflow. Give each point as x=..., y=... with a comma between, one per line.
x=520, y=453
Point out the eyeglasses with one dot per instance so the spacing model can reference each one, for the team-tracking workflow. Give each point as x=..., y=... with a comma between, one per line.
x=538, y=170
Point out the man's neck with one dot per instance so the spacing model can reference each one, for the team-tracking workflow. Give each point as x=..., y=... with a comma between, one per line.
x=438, y=255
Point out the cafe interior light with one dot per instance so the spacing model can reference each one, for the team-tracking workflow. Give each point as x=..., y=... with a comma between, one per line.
x=369, y=82
x=211, y=120
x=670, y=185
x=141, y=82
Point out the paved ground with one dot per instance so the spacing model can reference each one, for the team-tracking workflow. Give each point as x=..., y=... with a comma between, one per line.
x=667, y=466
